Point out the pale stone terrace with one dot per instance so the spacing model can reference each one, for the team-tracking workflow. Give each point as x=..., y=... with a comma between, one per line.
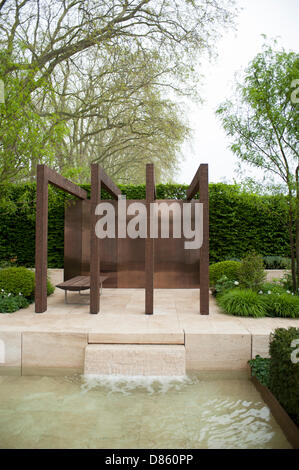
x=58, y=338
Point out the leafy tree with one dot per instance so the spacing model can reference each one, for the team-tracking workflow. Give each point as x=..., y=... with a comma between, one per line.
x=262, y=122
x=46, y=45
x=116, y=115
x=24, y=136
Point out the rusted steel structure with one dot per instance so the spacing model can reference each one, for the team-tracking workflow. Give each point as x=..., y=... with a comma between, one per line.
x=131, y=263
x=45, y=176
x=149, y=242
x=200, y=183
x=99, y=179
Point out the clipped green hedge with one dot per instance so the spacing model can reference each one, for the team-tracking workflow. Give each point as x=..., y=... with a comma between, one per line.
x=284, y=372
x=239, y=222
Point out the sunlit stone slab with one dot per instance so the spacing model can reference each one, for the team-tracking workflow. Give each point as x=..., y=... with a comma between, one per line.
x=260, y=345
x=135, y=359
x=49, y=353
x=10, y=353
x=139, y=337
x=214, y=351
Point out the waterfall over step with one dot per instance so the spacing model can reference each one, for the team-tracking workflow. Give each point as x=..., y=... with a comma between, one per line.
x=135, y=359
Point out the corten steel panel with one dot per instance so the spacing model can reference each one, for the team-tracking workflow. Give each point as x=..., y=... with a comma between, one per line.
x=124, y=258
x=175, y=266
x=131, y=258
x=77, y=244
x=109, y=255
x=85, y=250
x=73, y=239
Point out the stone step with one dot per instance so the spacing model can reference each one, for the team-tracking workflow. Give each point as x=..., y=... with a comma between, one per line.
x=135, y=336
x=135, y=359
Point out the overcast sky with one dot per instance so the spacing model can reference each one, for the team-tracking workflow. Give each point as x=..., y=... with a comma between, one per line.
x=275, y=18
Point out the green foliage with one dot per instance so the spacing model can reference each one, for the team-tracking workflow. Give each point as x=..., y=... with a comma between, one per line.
x=274, y=287
x=11, y=303
x=284, y=373
x=243, y=303
x=262, y=122
x=25, y=137
x=224, y=284
x=251, y=273
x=50, y=287
x=287, y=281
x=276, y=262
x=242, y=222
x=282, y=305
x=17, y=280
x=230, y=269
x=260, y=368
x=263, y=111
x=101, y=77
x=239, y=222
x=20, y=280
x=272, y=300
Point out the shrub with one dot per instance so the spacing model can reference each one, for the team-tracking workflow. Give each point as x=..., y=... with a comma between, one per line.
x=284, y=372
x=260, y=368
x=223, y=284
x=20, y=280
x=242, y=302
x=50, y=287
x=17, y=280
x=252, y=274
x=287, y=281
x=282, y=305
x=272, y=287
x=230, y=269
x=11, y=303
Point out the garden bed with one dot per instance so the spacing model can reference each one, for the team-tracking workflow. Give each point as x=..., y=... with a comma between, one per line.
x=277, y=378
x=243, y=288
x=288, y=426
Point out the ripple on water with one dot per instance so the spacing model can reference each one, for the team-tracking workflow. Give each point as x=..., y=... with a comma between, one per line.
x=192, y=411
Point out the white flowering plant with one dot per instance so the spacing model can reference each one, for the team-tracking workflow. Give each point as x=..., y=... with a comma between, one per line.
x=223, y=284
x=10, y=302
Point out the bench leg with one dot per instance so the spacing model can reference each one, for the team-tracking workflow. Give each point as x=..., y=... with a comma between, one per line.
x=83, y=295
x=75, y=303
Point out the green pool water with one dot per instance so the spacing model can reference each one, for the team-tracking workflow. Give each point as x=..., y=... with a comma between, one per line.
x=211, y=410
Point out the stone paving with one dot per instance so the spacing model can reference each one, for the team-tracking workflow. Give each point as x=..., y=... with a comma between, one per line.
x=58, y=338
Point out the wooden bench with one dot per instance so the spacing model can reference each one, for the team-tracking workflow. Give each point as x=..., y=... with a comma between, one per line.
x=78, y=283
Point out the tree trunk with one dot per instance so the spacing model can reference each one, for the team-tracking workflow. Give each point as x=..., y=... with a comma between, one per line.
x=297, y=227
x=292, y=242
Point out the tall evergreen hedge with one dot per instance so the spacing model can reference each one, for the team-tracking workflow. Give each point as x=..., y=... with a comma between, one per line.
x=239, y=222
